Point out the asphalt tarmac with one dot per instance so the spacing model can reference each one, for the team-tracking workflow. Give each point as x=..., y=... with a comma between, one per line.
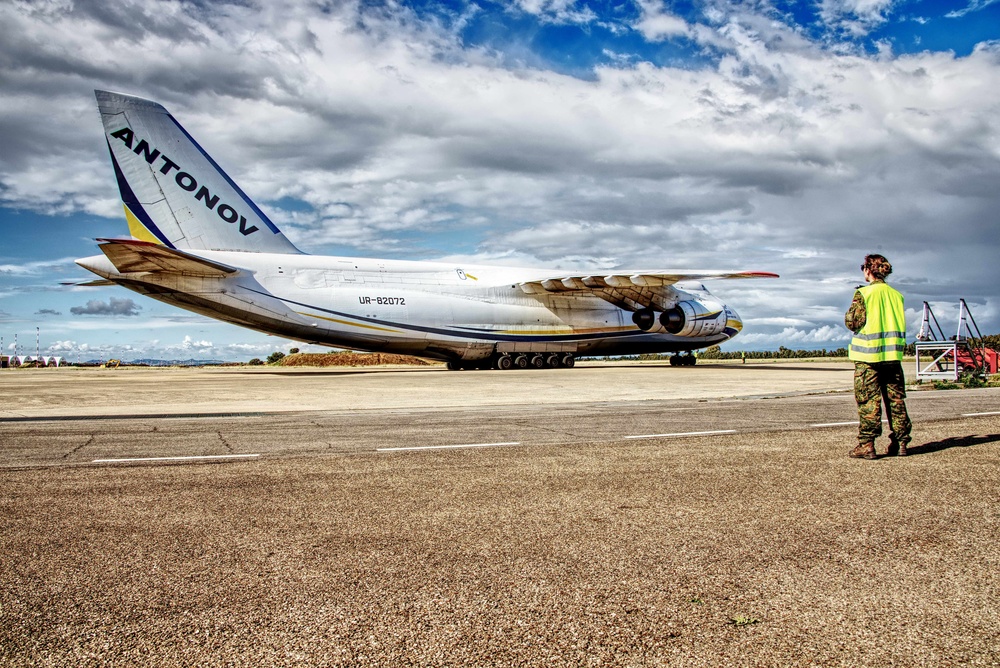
x=610, y=514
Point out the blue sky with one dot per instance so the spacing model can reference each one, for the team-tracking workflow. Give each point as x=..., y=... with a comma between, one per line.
x=775, y=136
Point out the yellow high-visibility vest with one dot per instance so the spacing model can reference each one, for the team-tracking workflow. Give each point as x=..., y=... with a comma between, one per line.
x=884, y=335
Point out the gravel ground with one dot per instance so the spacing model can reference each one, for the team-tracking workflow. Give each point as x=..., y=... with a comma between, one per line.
x=759, y=549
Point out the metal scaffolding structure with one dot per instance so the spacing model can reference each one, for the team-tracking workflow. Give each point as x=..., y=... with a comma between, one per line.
x=947, y=358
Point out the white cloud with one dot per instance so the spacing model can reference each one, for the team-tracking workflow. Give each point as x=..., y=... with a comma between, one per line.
x=34, y=268
x=658, y=24
x=191, y=344
x=557, y=11
x=973, y=6
x=856, y=17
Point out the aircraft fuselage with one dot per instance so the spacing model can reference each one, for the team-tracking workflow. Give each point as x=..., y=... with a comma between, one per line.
x=436, y=310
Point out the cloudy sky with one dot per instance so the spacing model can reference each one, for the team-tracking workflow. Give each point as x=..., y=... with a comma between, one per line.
x=792, y=137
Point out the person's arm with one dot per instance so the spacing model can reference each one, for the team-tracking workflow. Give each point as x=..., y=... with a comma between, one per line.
x=856, y=315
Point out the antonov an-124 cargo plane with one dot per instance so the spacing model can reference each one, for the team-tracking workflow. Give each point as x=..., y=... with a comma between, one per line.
x=200, y=243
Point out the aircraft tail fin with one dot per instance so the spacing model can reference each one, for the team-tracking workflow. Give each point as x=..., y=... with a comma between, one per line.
x=174, y=193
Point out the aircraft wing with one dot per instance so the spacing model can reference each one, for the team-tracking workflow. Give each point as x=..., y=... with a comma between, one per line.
x=130, y=256
x=631, y=291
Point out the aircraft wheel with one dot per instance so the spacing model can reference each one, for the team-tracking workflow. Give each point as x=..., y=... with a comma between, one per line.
x=552, y=361
x=568, y=361
x=504, y=362
x=521, y=361
x=453, y=366
x=537, y=361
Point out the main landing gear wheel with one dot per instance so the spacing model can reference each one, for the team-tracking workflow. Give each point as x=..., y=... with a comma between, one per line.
x=505, y=361
x=683, y=360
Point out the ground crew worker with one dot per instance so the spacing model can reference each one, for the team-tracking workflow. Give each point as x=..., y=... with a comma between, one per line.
x=879, y=324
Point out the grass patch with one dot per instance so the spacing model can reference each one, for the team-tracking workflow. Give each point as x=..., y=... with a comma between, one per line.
x=743, y=620
x=945, y=385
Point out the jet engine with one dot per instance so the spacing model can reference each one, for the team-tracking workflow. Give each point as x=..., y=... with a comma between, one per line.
x=645, y=319
x=694, y=318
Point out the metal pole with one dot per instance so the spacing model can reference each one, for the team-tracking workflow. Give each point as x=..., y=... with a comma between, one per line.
x=961, y=319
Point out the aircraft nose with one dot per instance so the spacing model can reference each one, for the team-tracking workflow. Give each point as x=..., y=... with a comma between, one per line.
x=734, y=325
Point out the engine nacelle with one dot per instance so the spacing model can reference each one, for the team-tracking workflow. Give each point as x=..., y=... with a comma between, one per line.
x=644, y=319
x=647, y=321
x=694, y=318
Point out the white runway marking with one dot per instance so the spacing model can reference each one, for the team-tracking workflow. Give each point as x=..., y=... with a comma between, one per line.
x=169, y=459
x=980, y=414
x=687, y=433
x=841, y=424
x=447, y=447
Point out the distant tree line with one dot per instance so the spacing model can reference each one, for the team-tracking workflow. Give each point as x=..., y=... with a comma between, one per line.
x=714, y=353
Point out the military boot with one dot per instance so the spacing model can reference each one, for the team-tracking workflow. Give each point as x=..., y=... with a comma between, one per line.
x=864, y=451
x=893, y=449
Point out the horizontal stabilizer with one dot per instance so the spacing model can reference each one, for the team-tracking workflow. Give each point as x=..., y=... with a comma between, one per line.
x=96, y=283
x=131, y=256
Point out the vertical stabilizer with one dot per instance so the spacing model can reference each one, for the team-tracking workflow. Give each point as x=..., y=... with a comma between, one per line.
x=174, y=193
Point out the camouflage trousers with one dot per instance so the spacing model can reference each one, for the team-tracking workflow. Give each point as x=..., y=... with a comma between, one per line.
x=872, y=384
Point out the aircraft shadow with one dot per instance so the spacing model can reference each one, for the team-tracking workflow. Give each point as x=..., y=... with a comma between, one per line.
x=953, y=442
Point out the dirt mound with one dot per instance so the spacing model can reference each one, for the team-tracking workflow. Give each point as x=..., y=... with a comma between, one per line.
x=349, y=359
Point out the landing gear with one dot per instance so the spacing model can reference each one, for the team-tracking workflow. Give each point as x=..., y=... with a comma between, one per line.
x=683, y=360
x=505, y=361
